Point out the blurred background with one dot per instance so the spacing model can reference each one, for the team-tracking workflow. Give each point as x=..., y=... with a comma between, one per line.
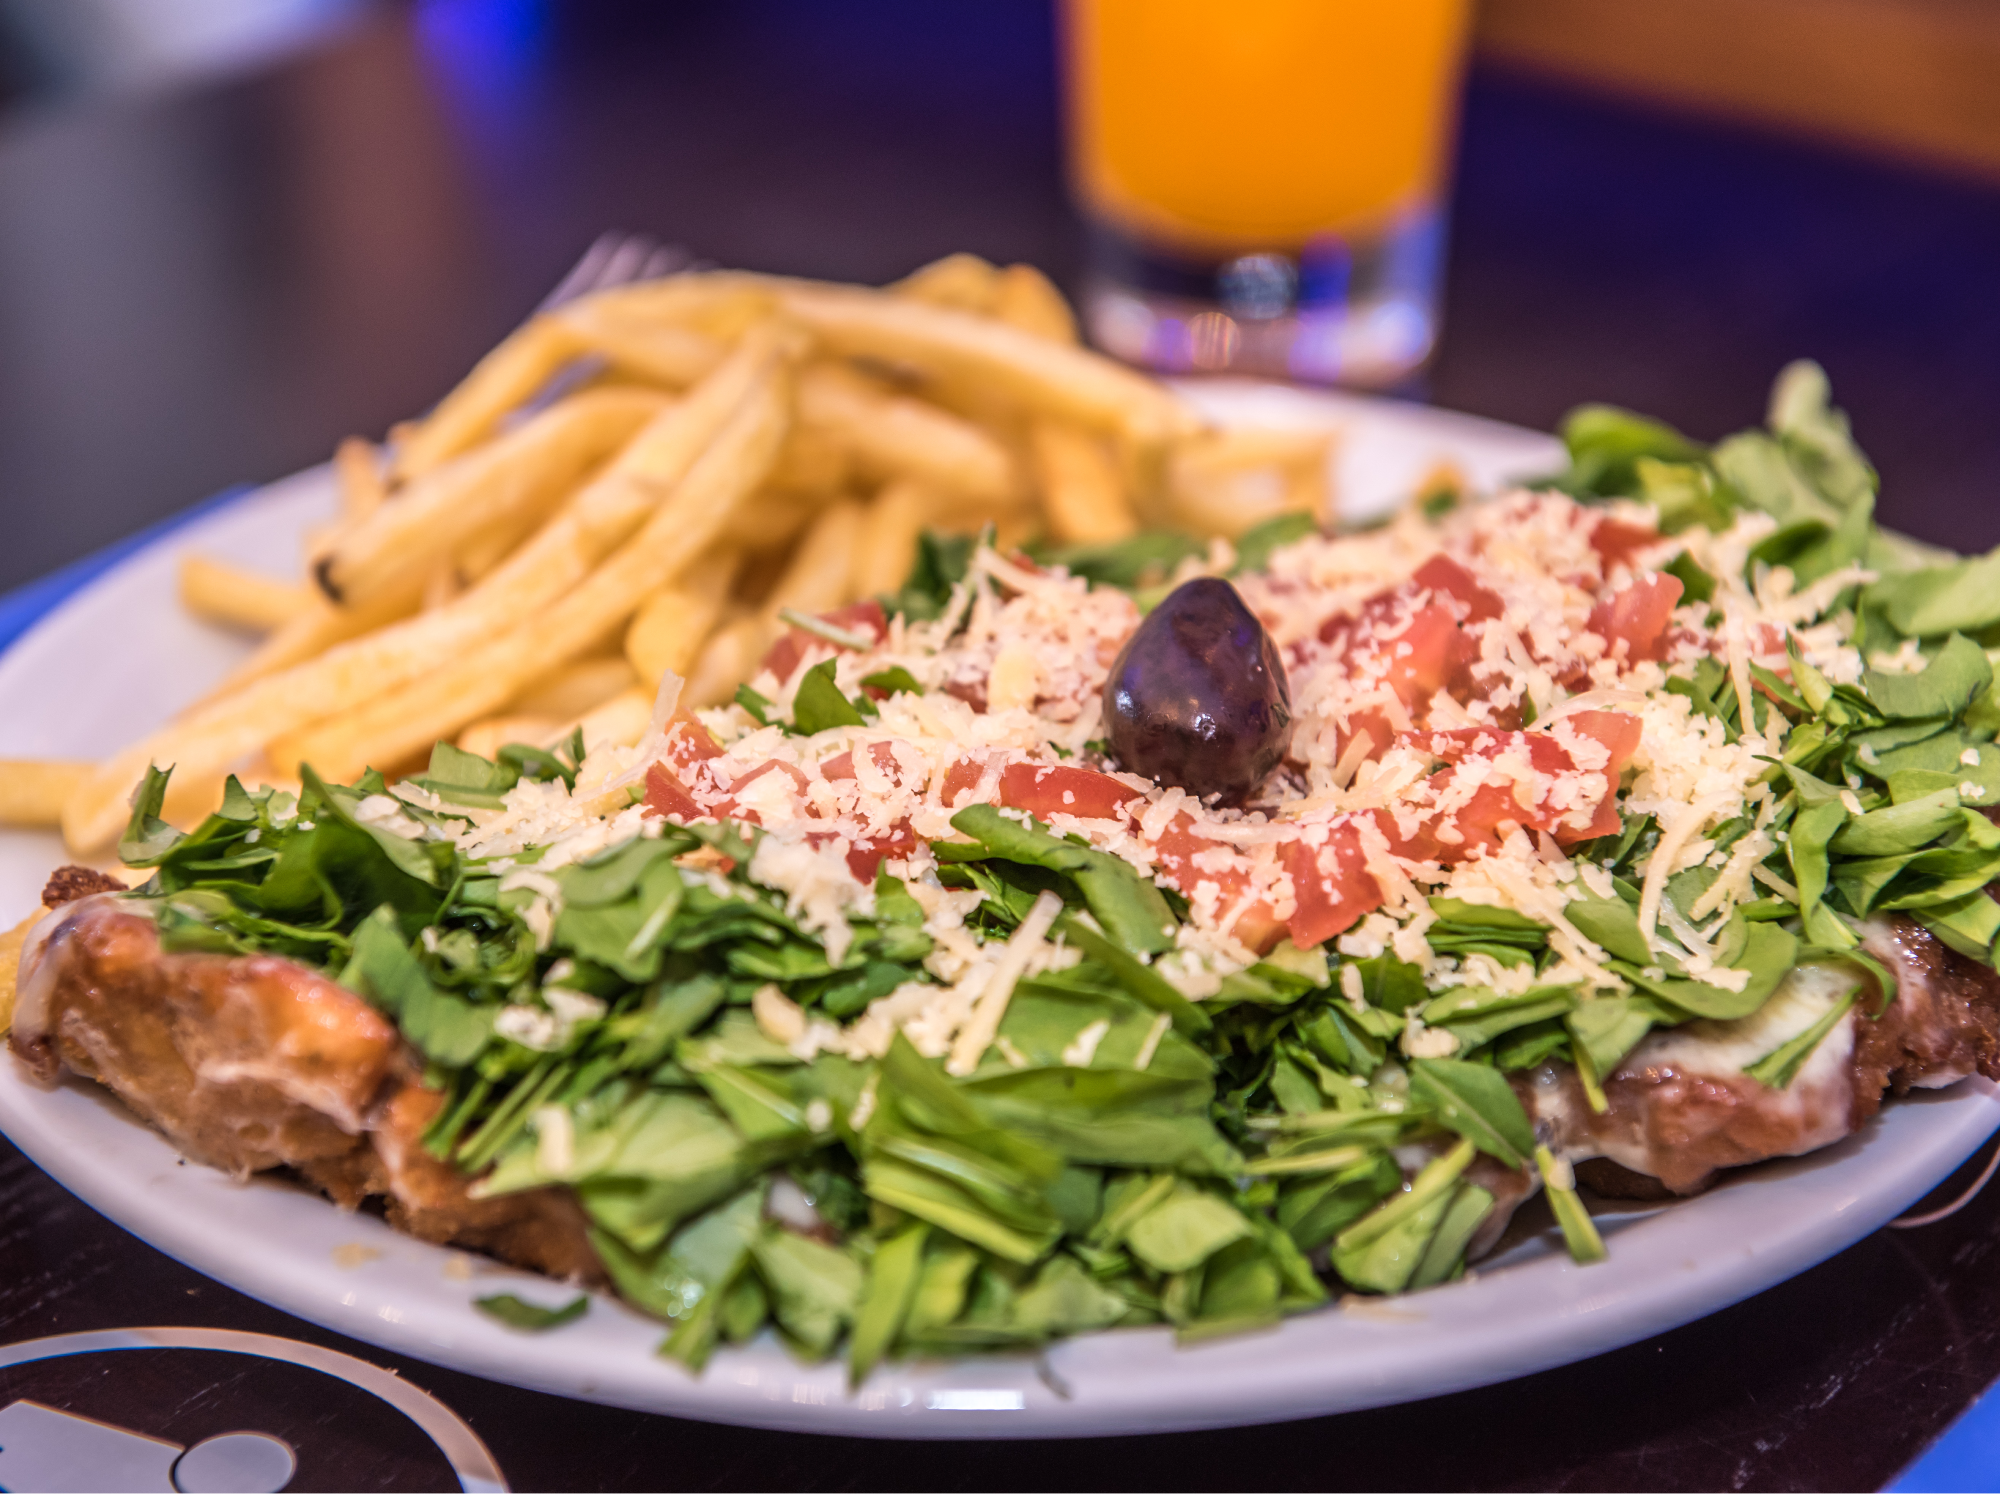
x=233, y=231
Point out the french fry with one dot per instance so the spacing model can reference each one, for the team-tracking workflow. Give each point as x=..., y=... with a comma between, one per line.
x=443, y=586
x=959, y=348
x=668, y=632
x=1234, y=449
x=319, y=627
x=260, y=772
x=815, y=460
x=32, y=792
x=505, y=486
x=820, y=574
x=720, y=307
x=893, y=437
x=887, y=548
x=483, y=554
x=1013, y=525
x=1310, y=489
x=559, y=556
x=730, y=657
x=516, y=367
x=357, y=469
x=724, y=305
x=224, y=594
x=773, y=517
x=442, y=701
x=488, y=735
x=1082, y=496
x=191, y=798
x=1029, y=301
x=1224, y=482
x=622, y=720
x=1443, y=481
x=651, y=351
x=574, y=690
x=12, y=942
x=962, y=281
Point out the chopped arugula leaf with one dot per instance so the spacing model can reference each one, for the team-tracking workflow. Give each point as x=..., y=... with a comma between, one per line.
x=1255, y=546
x=820, y=705
x=893, y=680
x=1136, y=562
x=1579, y=1234
x=1151, y=1136
x=530, y=1317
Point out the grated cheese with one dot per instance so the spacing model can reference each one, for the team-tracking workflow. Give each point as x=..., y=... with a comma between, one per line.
x=1161, y=1024
x=1012, y=676
x=984, y=1023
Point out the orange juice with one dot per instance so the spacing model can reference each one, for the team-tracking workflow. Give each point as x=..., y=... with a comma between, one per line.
x=1264, y=179
x=1267, y=122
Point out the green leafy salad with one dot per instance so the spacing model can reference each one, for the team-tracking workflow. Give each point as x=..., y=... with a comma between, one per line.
x=1151, y=1129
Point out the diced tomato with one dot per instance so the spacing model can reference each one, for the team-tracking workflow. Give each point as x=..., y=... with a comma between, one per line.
x=1258, y=928
x=1638, y=615
x=1428, y=653
x=1043, y=790
x=757, y=773
x=1767, y=638
x=1421, y=671
x=1331, y=886
x=1444, y=575
x=1619, y=735
x=961, y=776
x=729, y=807
x=784, y=657
x=972, y=694
x=1336, y=625
x=1176, y=851
x=864, y=618
x=1374, y=723
x=841, y=766
x=865, y=856
x=1025, y=563
x=667, y=797
x=1473, y=826
x=689, y=743
x=1620, y=541
x=1437, y=650
x=1454, y=745
x=1483, y=821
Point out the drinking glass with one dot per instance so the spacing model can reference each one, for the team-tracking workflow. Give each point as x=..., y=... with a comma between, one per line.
x=1265, y=180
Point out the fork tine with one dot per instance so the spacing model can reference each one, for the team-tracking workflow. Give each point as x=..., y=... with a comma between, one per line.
x=624, y=262
x=665, y=261
x=615, y=259
x=582, y=276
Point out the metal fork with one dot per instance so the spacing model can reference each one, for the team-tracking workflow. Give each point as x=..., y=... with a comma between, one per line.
x=616, y=259
x=613, y=260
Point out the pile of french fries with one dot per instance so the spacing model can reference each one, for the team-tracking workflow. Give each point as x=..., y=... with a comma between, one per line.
x=637, y=482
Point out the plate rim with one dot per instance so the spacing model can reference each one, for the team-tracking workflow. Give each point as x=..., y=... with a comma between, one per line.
x=1278, y=1375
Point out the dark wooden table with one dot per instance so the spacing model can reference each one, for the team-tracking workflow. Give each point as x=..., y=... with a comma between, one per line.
x=216, y=285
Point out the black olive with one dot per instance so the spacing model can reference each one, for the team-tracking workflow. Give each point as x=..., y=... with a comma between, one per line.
x=1198, y=698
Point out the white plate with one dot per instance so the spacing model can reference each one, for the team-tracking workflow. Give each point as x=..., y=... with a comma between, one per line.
x=118, y=657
